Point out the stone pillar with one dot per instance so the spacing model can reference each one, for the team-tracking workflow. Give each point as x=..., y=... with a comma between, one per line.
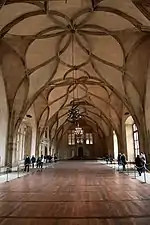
x=15, y=153
x=109, y=142
x=33, y=144
x=48, y=142
x=10, y=141
x=20, y=145
x=144, y=139
x=37, y=150
x=27, y=143
x=124, y=143
x=11, y=151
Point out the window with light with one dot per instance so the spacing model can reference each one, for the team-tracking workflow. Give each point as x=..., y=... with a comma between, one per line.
x=71, y=138
x=89, y=139
x=136, y=140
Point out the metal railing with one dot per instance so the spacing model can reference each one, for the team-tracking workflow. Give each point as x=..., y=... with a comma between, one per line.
x=8, y=173
x=131, y=169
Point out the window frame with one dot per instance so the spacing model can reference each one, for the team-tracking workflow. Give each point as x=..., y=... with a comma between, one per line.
x=89, y=139
x=71, y=138
x=136, y=141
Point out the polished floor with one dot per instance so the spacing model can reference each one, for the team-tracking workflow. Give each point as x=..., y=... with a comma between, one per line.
x=75, y=193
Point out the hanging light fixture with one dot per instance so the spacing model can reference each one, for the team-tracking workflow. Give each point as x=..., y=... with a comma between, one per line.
x=78, y=130
x=79, y=133
x=74, y=114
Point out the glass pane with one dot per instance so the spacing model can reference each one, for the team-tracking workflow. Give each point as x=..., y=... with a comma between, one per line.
x=134, y=127
x=69, y=139
x=69, y=142
x=82, y=141
x=91, y=142
x=135, y=136
x=87, y=141
x=137, y=145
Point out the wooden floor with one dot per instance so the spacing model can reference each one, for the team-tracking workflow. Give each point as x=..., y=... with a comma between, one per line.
x=75, y=193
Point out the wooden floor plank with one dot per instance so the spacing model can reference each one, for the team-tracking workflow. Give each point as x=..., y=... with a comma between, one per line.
x=75, y=193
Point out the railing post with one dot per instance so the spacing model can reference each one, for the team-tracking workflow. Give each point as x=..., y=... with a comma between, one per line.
x=18, y=171
x=144, y=174
x=114, y=165
x=130, y=168
x=127, y=168
x=7, y=172
x=135, y=172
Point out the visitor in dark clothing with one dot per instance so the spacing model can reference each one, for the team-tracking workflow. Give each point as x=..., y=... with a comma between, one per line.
x=55, y=158
x=27, y=163
x=123, y=161
x=107, y=159
x=33, y=159
x=140, y=164
x=110, y=158
x=119, y=159
x=38, y=162
x=42, y=161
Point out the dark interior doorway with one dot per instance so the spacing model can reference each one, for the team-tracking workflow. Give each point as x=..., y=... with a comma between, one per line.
x=80, y=152
x=46, y=150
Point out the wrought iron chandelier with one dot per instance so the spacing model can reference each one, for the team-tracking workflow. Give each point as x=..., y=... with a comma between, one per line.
x=79, y=133
x=78, y=130
x=74, y=114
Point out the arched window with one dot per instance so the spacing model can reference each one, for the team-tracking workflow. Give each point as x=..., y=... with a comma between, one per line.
x=115, y=140
x=129, y=138
x=71, y=138
x=136, y=140
x=89, y=138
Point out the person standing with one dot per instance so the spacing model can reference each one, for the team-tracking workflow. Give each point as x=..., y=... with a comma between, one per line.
x=107, y=159
x=139, y=164
x=33, y=161
x=119, y=159
x=42, y=161
x=123, y=161
x=27, y=164
x=38, y=162
x=55, y=158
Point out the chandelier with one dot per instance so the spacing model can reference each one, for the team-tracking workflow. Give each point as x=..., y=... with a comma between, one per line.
x=79, y=134
x=74, y=114
x=78, y=131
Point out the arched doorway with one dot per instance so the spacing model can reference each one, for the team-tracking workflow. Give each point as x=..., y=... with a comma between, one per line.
x=80, y=152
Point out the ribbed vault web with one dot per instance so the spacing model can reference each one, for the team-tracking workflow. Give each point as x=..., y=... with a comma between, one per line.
x=36, y=52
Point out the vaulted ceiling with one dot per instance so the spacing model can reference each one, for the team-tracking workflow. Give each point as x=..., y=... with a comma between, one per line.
x=45, y=45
